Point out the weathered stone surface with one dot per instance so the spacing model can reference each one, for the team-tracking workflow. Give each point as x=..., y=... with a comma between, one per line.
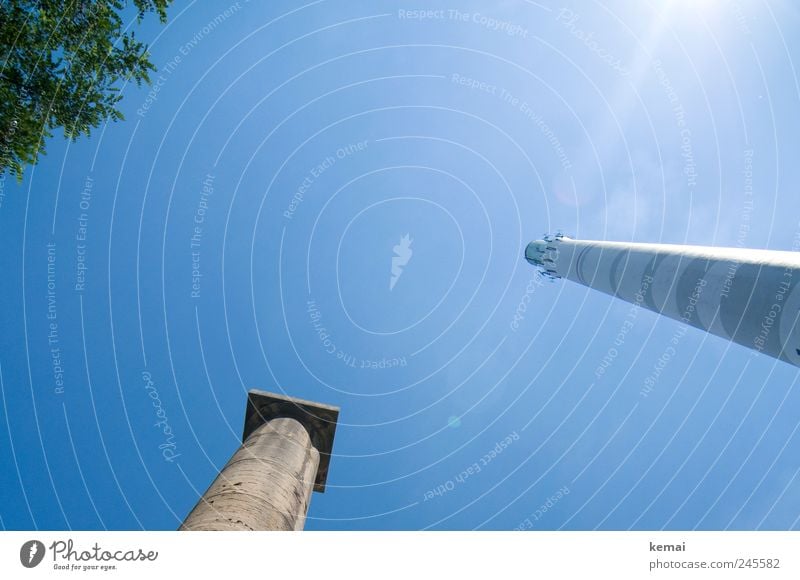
x=318, y=419
x=266, y=485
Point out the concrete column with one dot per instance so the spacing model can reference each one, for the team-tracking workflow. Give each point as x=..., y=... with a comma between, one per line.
x=268, y=481
x=751, y=297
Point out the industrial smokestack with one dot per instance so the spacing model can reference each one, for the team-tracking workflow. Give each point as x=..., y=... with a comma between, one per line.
x=748, y=296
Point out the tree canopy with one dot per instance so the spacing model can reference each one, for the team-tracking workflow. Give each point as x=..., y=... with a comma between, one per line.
x=61, y=65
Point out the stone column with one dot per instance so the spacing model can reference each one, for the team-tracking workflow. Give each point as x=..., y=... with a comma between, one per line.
x=267, y=483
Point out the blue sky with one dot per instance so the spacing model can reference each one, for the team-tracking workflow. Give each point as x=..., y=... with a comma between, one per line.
x=237, y=231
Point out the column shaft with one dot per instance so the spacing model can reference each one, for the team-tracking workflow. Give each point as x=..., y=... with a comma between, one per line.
x=266, y=485
x=751, y=297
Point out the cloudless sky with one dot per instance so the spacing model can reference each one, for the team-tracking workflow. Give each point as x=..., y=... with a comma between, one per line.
x=238, y=231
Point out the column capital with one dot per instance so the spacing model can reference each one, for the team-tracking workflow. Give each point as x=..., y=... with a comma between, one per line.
x=318, y=419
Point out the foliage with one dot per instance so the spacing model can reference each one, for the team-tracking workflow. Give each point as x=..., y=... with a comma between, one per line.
x=61, y=65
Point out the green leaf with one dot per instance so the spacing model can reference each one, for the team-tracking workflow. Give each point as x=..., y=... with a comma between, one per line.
x=61, y=63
